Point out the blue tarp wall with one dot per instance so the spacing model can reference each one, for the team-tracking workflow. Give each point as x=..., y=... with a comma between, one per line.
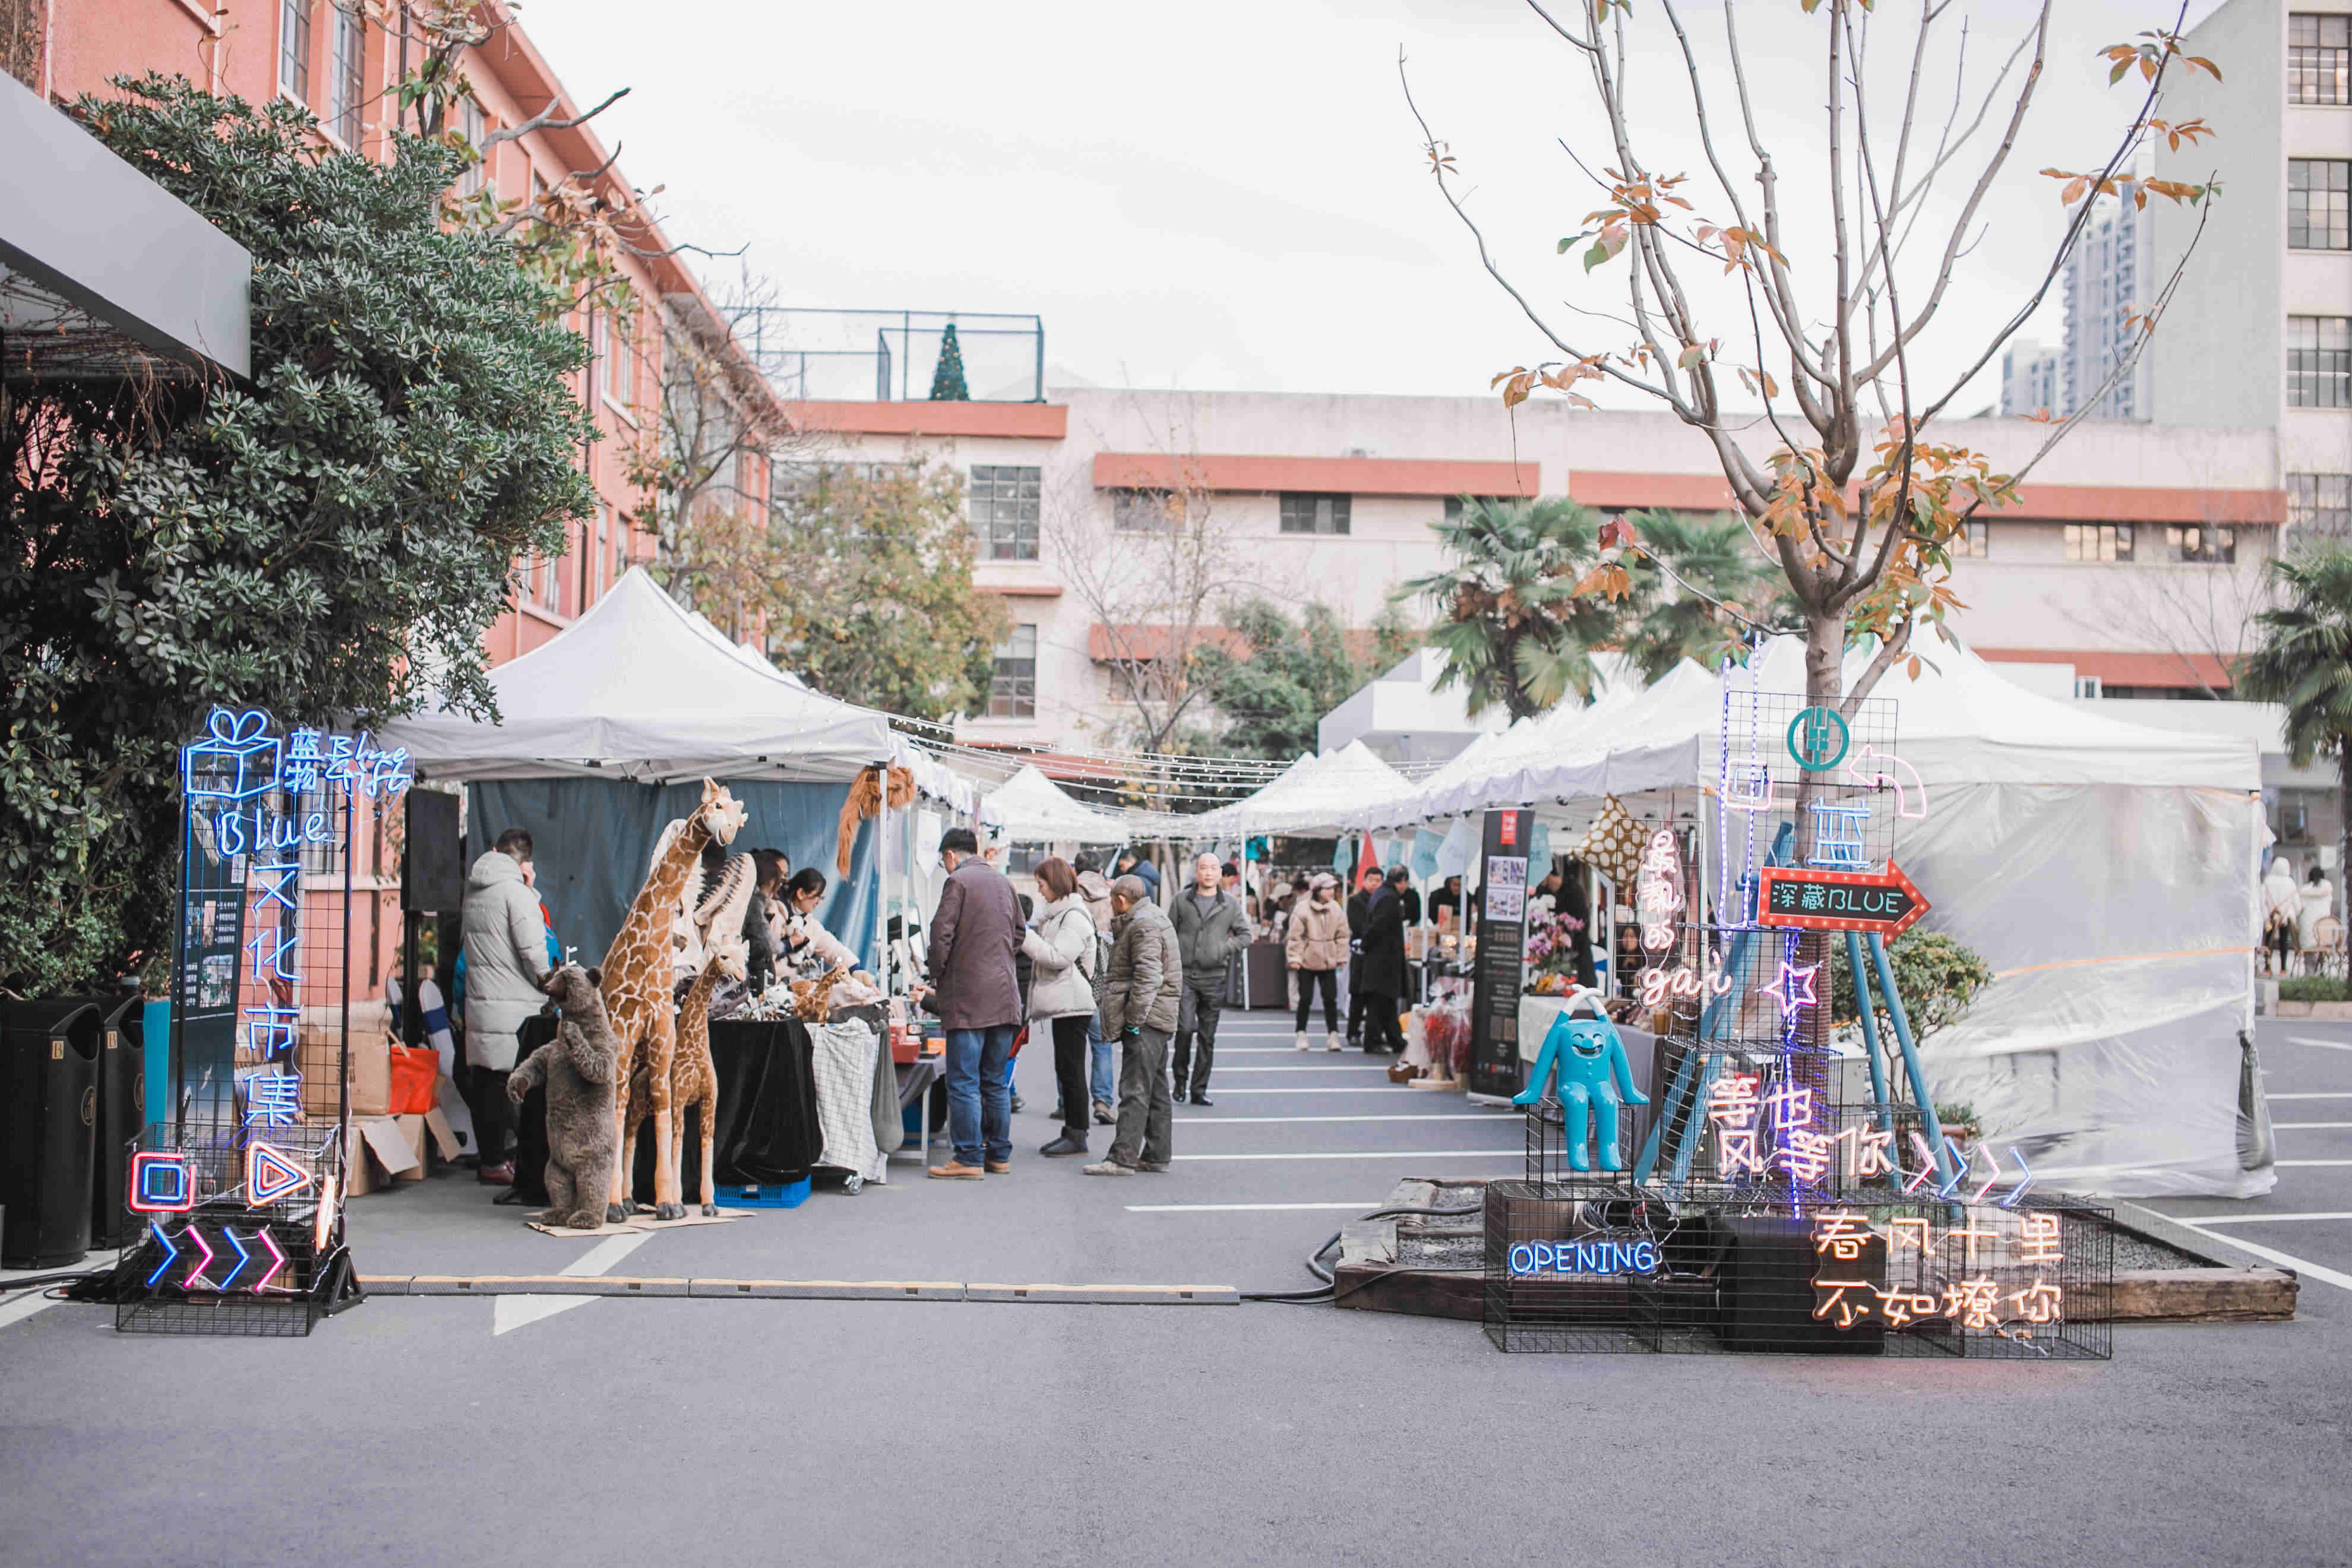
x=593, y=838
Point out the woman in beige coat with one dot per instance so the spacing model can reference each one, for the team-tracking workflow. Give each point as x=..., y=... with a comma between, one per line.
x=1316, y=946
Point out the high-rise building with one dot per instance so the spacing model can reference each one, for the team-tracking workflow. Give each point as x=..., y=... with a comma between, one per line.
x=2029, y=380
x=2107, y=284
x=2260, y=334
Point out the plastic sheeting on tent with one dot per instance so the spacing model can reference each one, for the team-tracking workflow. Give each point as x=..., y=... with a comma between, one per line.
x=1031, y=808
x=1314, y=793
x=2103, y=870
x=634, y=688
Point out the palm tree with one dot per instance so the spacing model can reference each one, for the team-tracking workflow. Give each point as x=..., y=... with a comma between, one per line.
x=2306, y=663
x=1687, y=569
x=1509, y=619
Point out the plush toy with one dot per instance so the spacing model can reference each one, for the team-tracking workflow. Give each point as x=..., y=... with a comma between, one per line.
x=1586, y=1056
x=578, y=1066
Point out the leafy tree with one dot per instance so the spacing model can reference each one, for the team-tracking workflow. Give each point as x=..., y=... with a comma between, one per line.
x=870, y=597
x=314, y=543
x=1274, y=680
x=2304, y=662
x=1517, y=627
x=1937, y=976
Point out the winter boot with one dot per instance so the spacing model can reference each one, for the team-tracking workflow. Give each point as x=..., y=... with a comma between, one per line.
x=1331, y=1040
x=1302, y=1041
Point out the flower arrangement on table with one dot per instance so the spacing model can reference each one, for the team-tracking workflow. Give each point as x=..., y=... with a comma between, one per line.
x=1551, y=949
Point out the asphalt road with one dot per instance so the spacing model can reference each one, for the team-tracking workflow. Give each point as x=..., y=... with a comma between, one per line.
x=624, y=1431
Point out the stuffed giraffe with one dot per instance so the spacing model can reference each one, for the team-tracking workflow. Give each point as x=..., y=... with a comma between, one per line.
x=709, y=925
x=638, y=990
x=693, y=1079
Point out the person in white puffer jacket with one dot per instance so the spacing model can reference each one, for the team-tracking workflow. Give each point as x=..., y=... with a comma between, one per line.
x=1061, y=944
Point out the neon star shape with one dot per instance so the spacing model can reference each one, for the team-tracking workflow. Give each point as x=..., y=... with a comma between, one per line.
x=1793, y=987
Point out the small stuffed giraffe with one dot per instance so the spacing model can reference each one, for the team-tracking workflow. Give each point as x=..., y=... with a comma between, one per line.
x=693, y=1079
x=638, y=989
x=711, y=923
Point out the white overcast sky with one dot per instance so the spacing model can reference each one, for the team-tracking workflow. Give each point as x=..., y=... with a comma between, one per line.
x=1229, y=194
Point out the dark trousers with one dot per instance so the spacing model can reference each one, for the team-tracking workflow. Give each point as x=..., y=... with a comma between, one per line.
x=1328, y=982
x=1355, y=1007
x=1381, y=1031
x=1144, y=1124
x=1198, y=1015
x=485, y=1097
x=1070, y=1061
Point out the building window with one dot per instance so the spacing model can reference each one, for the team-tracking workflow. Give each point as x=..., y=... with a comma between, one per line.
x=1453, y=504
x=2318, y=49
x=600, y=353
x=346, y=81
x=1140, y=511
x=1004, y=515
x=1013, y=685
x=624, y=363
x=604, y=555
x=2319, y=503
x=1974, y=539
x=621, y=548
x=2098, y=542
x=2208, y=546
x=294, y=49
x=2318, y=197
x=469, y=119
x=2319, y=362
x=1306, y=513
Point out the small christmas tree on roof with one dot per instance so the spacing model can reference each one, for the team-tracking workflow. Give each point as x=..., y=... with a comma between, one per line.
x=946, y=381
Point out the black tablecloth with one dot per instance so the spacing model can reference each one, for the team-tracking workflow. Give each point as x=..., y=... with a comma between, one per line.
x=768, y=1132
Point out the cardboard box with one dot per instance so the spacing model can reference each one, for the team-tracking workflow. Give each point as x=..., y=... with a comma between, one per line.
x=379, y=1154
x=411, y=1131
x=370, y=1068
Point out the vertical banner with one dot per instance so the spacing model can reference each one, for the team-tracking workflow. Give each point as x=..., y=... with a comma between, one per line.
x=1494, y=1065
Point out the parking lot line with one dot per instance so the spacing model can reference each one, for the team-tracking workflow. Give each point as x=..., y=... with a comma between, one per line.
x=2302, y=1266
x=2256, y=1218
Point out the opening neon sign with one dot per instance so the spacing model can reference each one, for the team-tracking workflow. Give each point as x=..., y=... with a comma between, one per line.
x=1542, y=1259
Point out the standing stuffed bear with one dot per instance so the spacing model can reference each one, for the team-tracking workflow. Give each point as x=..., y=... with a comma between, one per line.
x=578, y=1068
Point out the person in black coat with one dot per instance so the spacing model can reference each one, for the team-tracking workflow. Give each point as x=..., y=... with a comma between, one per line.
x=1360, y=904
x=1382, y=963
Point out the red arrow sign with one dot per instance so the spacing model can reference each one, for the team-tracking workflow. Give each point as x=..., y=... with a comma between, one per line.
x=1882, y=903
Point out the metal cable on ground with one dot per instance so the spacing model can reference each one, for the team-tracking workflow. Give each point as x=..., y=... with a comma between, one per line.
x=1328, y=1290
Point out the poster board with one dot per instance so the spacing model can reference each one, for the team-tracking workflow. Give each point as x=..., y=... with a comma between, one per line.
x=1502, y=914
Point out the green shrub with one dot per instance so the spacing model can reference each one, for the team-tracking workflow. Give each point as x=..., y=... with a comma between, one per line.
x=1938, y=979
x=2311, y=988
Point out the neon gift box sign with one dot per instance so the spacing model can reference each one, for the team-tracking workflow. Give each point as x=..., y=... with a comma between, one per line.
x=1604, y=1255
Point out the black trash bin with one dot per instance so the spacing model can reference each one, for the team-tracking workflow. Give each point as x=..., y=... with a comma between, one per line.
x=49, y=1123
x=122, y=1114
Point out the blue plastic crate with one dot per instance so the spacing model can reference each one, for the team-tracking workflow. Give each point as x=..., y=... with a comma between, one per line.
x=790, y=1195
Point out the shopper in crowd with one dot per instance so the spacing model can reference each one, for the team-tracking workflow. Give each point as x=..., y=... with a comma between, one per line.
x=1401, y=884
x=1447, y=896
x=1131, y=863
x=1383, y=961
x=507, y=963
x=1358, y=909
x=765, y=920
x=1061, y=950
x=1138, y=1009
x=1315, y=947
x=807, y=944
x=974, y=988
x=1102, y=1053
x=1212, y=928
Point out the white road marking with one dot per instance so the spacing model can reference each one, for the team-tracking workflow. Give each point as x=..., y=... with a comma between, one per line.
x=2308, y=1126
x=1388, y=1155
x=2326, y=1094
x=2255, y=1219
x=1243, y=1208
x=1304, y=1066
x=2323, y=1044
x=2285, y=1164
x=1219, y=1085
x=1433, y=1116
x=510, y=1312
x=2305, y=1270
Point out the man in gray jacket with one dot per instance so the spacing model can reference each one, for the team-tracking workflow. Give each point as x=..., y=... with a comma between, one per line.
x=1138, y=1009
x=1212, y=927
x=506, y=964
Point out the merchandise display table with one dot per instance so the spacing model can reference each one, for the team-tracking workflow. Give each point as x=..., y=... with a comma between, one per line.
x=915, y=1079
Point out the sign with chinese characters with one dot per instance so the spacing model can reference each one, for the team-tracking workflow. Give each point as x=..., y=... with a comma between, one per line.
x=1494, y=1065
x=1658, y=891
x=1987, y=1270
x=1882, y=903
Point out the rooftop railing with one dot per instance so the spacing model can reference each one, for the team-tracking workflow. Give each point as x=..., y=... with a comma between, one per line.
x=893, y=356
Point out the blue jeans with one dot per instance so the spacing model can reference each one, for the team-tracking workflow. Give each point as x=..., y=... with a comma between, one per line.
x=979, y=1100
x=1106, y=1062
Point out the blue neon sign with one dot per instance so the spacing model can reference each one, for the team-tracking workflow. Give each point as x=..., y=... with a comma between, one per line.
x=1606, y=1254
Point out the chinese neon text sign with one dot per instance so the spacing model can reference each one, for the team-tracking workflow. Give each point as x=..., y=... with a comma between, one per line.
x=1986, y=1273
x=1658, y=890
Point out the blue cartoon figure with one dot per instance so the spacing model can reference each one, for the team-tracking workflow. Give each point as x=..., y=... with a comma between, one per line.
x=1588, y=1059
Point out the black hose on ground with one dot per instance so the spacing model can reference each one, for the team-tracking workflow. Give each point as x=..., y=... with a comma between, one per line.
x=1328, y=1290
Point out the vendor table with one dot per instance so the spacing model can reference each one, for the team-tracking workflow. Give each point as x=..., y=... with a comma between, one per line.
x=914, y=1079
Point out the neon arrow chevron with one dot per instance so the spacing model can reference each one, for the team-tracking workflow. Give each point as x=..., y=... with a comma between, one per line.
x=2018, y=1191
x=171, y=1253
x=196, y=1279
x=1926, y=1164
x=1959, y=1168
x=270, y=1175
x=278, y=1259
x=1992, y=1160
x=228, y=1233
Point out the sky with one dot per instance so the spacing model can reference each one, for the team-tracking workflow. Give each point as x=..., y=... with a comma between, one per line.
x=1232, y=196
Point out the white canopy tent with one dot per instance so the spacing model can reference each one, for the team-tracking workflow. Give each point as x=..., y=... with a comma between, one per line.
x=2103, y=870
x=1315, y=793
x=1031, y=808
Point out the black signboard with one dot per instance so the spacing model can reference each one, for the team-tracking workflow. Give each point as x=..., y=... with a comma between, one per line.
x=1502, y=914
x=1881, y=903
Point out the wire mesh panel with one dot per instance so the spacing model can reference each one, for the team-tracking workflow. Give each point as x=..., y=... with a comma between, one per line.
x=236, y=1196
